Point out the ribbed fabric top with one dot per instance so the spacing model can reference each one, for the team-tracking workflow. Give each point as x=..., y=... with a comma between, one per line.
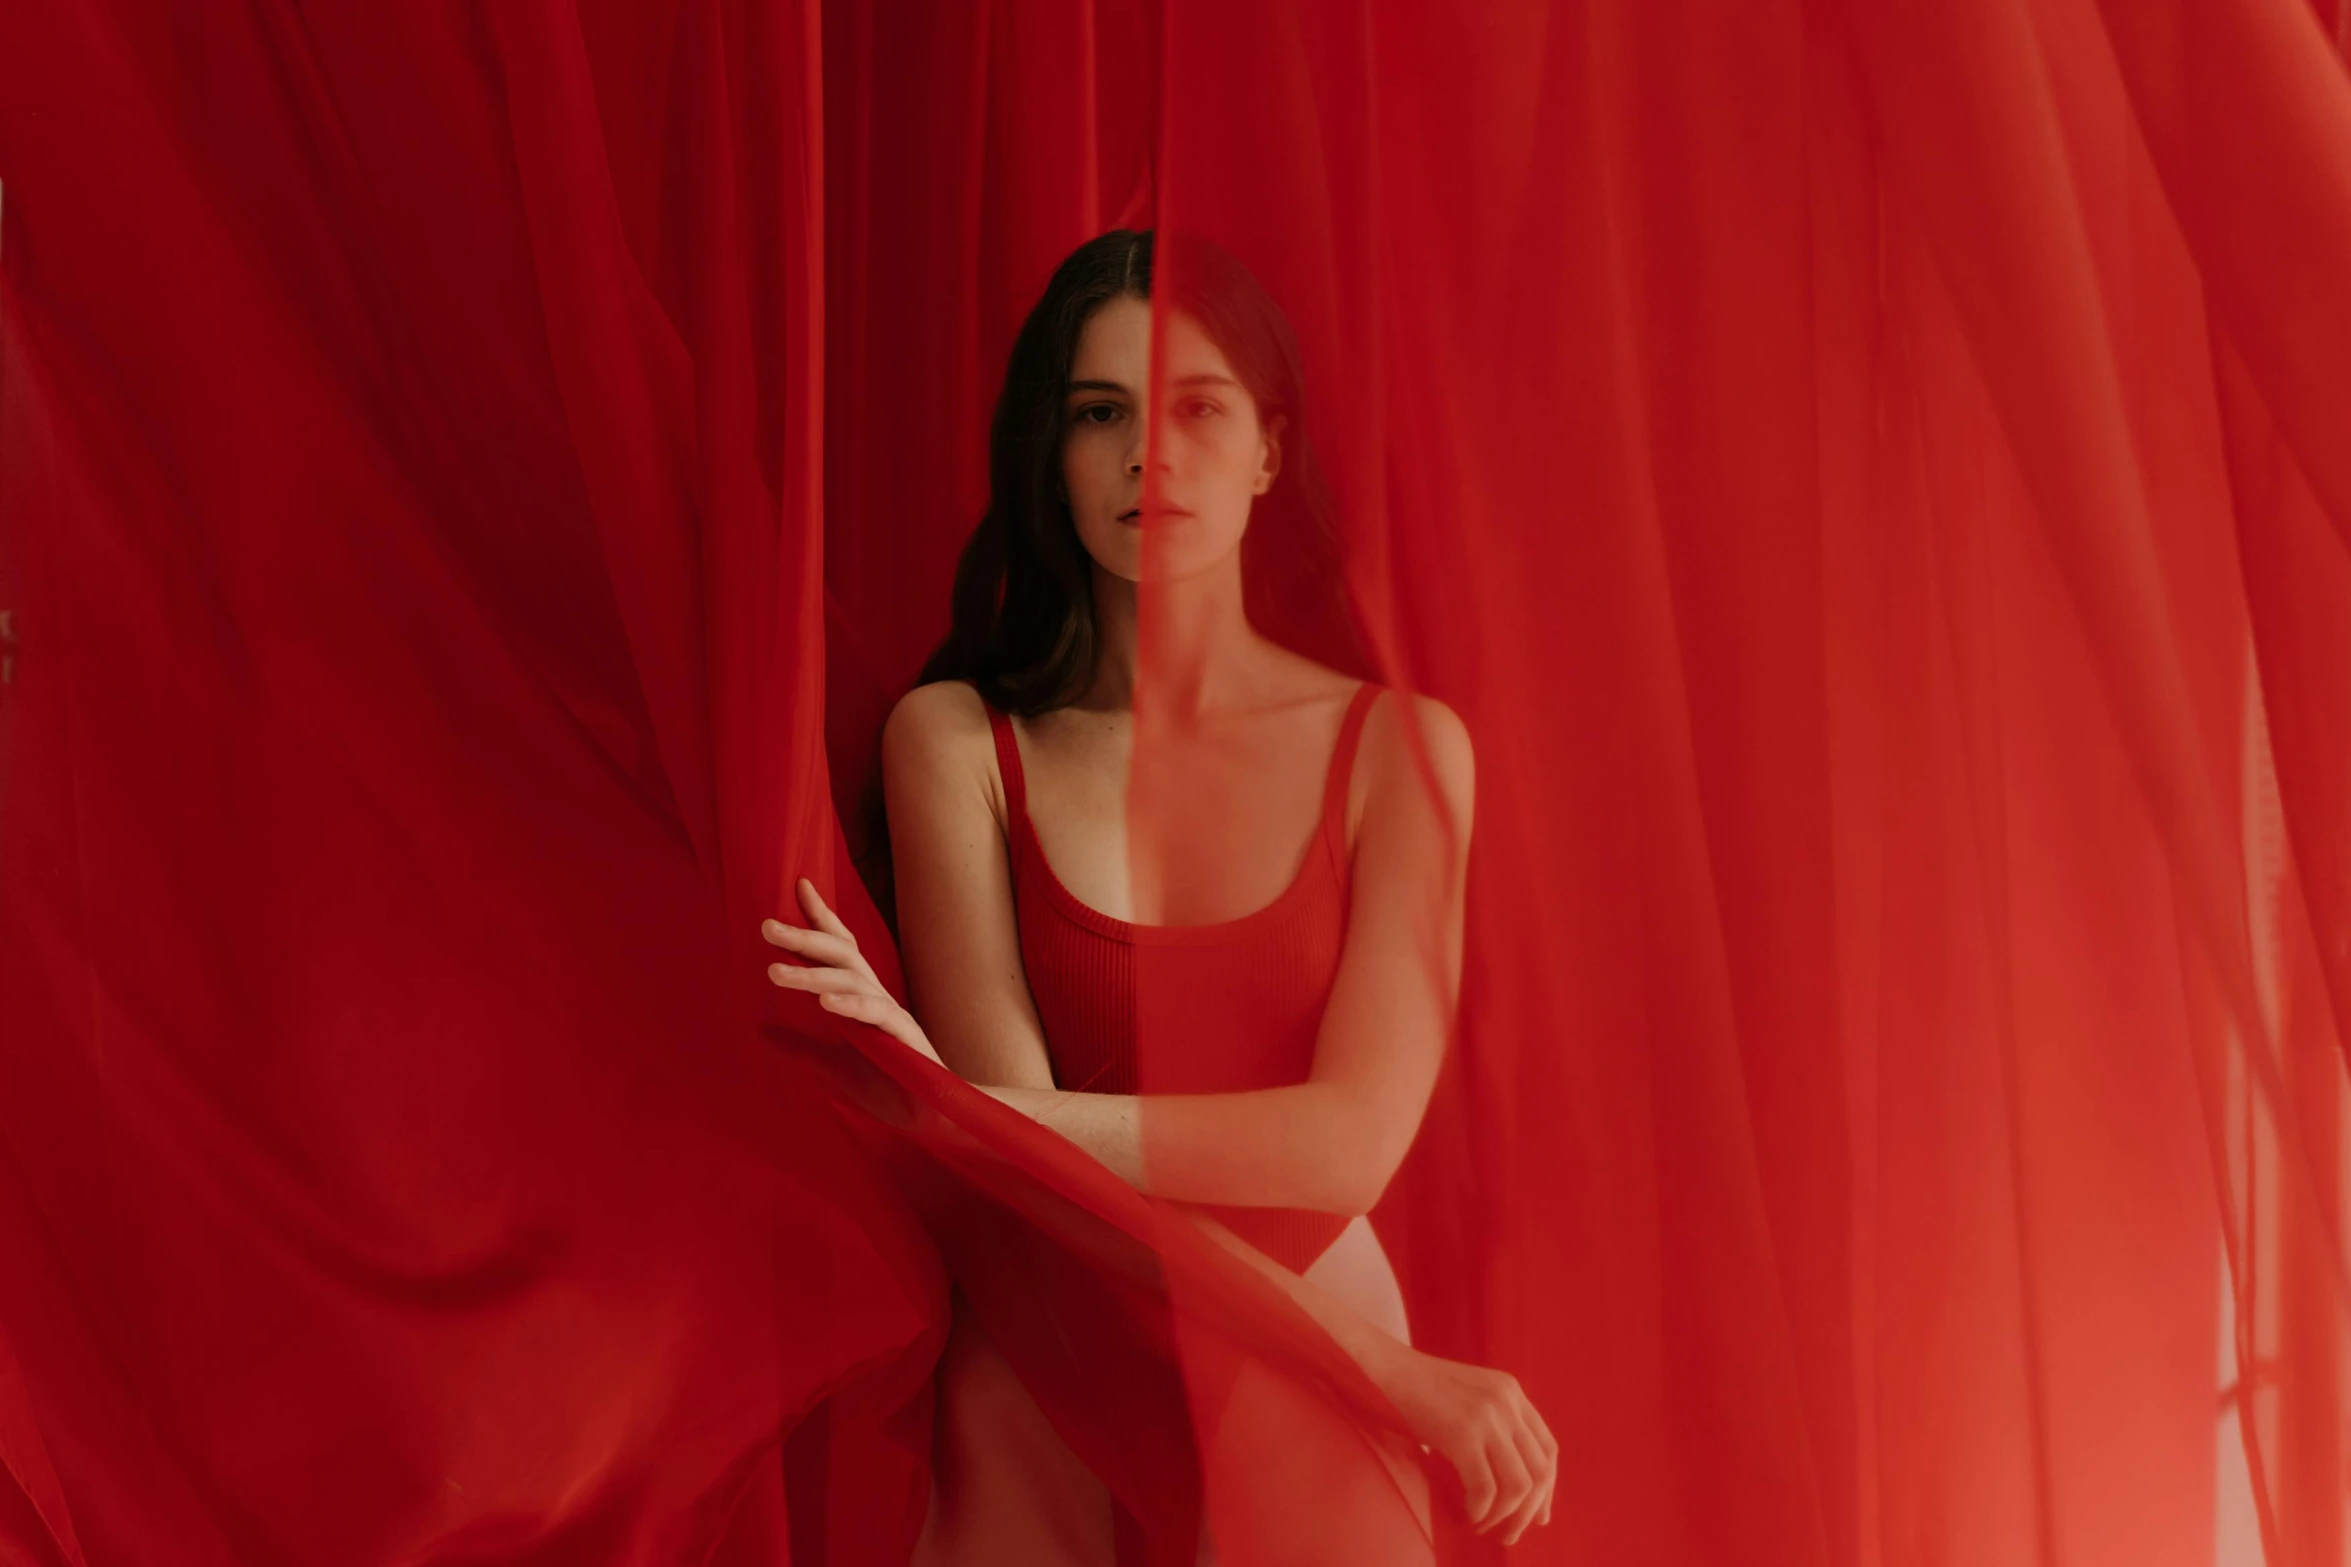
x=1235, y=1005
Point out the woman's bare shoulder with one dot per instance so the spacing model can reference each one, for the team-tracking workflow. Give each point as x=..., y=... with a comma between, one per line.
x=938, y=733
x=1402, y=723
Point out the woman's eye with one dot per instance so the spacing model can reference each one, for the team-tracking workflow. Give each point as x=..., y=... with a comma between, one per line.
x=1096, y=413
x=1199, y=408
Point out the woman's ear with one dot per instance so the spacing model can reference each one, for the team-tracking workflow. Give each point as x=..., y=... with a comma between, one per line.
x=1269, y=466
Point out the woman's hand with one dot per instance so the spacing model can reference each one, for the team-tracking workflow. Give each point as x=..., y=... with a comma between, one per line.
x=1479, y=1421
x=836, y=973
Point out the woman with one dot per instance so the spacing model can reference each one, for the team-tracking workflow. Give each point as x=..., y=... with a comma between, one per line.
x=1116, y=593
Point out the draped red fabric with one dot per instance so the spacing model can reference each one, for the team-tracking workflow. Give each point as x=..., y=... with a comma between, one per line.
x=1868, y=476
x=412, y=706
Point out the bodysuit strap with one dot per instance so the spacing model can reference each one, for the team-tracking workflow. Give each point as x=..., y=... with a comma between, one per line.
x=1342, y=773
x=1016, y=785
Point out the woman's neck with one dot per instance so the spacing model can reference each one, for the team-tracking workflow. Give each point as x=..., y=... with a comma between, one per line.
x=1192, y=635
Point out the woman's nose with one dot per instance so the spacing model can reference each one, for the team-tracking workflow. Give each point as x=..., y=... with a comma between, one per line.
x=1139, y=455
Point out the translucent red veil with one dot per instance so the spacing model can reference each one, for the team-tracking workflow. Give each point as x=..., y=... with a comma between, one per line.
x=1870, y=474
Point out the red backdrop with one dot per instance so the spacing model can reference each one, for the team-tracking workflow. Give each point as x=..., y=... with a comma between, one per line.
x=473, y=477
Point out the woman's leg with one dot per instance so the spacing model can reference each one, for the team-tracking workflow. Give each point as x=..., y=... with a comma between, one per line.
x=1291, y=1480
x=1294, y=1479
x=1005, y=1488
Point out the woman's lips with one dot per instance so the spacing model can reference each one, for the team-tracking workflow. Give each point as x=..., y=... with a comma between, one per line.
x=1136, y=514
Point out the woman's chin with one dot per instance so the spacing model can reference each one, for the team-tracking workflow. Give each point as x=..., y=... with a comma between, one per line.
x=1160, y=558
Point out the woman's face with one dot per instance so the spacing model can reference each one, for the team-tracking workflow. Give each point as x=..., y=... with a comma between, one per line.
x=1211, y=456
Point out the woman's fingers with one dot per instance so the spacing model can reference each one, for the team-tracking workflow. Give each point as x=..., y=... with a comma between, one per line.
x=819, y=981
x=863, y=1006
x=832, y=970
x=1542, y=1472
x=1541, y=1430
x=821, y=915
x=815, y=946
x=830, y=941
x=1477, y=1480
x=1550, y=1450
x=1512, y=1484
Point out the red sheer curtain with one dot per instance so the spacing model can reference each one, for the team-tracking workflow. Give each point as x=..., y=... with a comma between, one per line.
x=1868, y=476
x=411, y=483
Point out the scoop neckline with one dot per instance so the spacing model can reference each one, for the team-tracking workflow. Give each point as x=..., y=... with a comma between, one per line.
x=1328, y=825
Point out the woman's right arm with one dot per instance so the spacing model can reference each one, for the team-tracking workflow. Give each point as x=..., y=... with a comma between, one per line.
x=958, y=933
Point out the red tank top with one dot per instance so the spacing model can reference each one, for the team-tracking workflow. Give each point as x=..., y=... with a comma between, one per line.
x=1235, y=1005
